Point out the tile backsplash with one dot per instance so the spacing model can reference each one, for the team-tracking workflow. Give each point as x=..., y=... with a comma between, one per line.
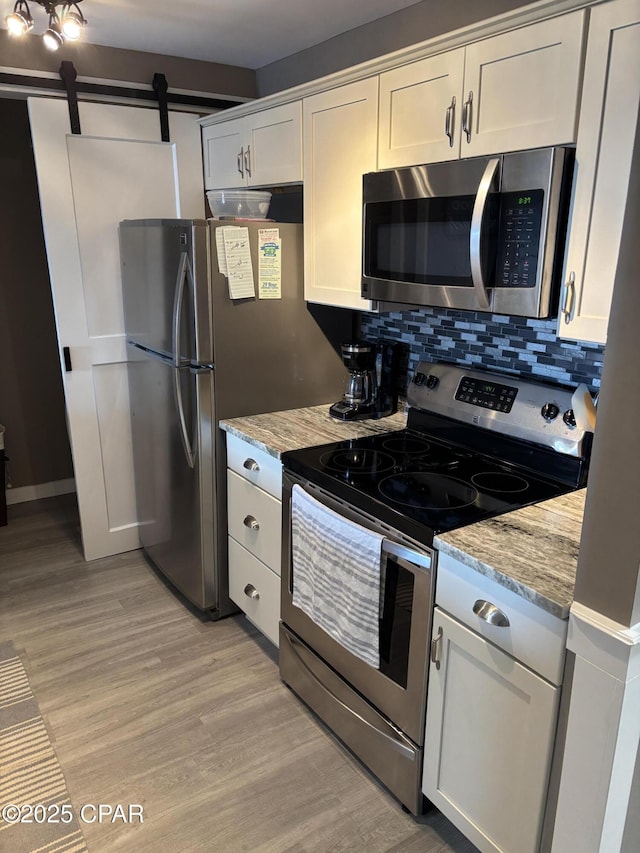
x=519, y=345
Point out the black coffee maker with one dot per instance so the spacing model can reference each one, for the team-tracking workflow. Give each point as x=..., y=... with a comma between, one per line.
x=371, y=387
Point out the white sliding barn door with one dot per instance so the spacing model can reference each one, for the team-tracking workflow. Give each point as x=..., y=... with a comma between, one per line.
x=117, y=169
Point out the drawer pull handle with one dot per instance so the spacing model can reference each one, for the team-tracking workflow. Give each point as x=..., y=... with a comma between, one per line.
x=490, y=613
x=251, y=522
x=251, y=592
x=251, y=465
x=435, y=648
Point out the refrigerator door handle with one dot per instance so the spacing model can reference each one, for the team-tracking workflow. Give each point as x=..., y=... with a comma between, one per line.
x=178, y=299
x=189, y=451
x=184, y=272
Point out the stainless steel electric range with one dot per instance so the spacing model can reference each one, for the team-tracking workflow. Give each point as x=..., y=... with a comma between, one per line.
x=476, y=445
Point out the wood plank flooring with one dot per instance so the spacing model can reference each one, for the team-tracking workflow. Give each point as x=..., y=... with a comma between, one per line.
x=147, y=702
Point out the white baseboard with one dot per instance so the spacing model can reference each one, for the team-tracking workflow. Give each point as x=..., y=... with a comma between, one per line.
x=41, y=490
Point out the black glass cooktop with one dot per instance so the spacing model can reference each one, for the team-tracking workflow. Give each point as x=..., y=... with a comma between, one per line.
x=423, y=485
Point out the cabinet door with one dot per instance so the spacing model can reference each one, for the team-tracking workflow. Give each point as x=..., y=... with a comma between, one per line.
x=521, y=88
x=488, y=742
x=273, y=146
x=223, y=155
x=340, y=141
x=608, y=119
x=420, y=107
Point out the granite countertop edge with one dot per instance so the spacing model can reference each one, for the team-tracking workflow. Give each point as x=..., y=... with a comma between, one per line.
x=509, y=549
x=530, y=594
x=230, y=429
x=293, y=429
x=513, y=549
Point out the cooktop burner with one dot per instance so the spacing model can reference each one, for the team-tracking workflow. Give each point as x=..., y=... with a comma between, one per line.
x=406, y=444
x=427, y=491
x=354, y=461
x=500, y=482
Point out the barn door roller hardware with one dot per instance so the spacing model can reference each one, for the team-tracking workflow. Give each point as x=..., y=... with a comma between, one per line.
x=160, y=87
x=68, y=74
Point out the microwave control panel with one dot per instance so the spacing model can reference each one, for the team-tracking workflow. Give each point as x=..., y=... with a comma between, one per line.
x=519, y=238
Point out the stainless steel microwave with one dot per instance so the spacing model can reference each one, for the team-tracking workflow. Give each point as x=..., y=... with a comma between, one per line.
x=484, y=234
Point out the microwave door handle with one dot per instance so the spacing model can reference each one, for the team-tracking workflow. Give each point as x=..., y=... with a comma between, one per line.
x=475, y=240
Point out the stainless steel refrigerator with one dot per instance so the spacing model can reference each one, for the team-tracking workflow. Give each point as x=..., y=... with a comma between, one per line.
x=197, y=356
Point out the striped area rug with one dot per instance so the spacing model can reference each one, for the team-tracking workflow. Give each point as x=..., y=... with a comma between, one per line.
x=32, y=785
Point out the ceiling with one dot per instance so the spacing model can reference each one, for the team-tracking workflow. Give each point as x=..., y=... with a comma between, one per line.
x=249, y=33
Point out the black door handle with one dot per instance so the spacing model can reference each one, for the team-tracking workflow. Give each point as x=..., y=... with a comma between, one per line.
x=66, y=352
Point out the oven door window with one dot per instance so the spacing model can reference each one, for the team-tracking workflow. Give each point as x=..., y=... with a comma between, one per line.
x=426, y=240
x=395, y=621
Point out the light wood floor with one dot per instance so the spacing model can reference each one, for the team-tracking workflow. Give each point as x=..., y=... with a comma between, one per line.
x=146, y=702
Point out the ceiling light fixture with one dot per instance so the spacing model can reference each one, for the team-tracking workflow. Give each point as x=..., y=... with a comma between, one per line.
x=64, y=26
x=19, y=22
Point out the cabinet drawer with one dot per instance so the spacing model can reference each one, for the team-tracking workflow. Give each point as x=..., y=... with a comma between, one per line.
x=255, y=589
x=533, y=636
x=255, y=465
x=254, y=520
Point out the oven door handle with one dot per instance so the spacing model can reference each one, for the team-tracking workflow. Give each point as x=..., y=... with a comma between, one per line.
x=398, y=745
x=475, y=238
x=415, y=558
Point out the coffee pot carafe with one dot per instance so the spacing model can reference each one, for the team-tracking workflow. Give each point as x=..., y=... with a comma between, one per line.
x=370, y=389
x=359, y=395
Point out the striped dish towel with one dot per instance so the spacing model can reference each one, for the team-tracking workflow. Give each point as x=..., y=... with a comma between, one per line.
x=336, y=575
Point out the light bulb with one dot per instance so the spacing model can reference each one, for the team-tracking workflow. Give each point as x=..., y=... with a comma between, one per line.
x=52, y=39
x=72, y=25
x=18, y=24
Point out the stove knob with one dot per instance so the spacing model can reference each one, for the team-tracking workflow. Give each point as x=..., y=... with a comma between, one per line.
x=569, y=418
x=549, y=411
x=432, y=381
x=419, y=379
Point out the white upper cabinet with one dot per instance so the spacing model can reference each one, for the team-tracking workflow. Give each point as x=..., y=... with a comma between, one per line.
x=222, y=145
x=608, y=120
x=509, y=92
x=521, y=89
x=262, y=149
x=340, y=143
x=420, y=106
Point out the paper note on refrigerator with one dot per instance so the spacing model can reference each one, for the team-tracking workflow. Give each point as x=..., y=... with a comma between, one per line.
x=269, y=263
x=238, y=262
x=220, y=251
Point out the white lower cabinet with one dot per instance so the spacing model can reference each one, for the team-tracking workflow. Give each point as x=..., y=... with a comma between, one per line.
x=254, y=519
x=490, y=731
x=255, y=589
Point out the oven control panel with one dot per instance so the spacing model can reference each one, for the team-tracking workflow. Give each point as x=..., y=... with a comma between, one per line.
x=489, y=395
x=520, y=407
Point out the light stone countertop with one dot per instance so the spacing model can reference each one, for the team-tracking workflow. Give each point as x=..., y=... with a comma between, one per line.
x=277, y=432
x=531, y=551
